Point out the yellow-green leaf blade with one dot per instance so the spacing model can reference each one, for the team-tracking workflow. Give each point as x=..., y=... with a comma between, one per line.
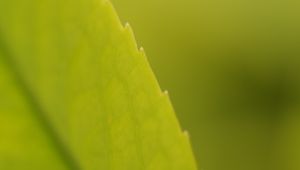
x=96, y=101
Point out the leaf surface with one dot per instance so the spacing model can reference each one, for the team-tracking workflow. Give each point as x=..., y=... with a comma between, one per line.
x=76, y=93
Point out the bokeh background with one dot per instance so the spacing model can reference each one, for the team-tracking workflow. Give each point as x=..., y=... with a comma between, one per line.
x=232, y=69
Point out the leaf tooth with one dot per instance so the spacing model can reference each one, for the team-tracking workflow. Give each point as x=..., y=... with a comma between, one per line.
x=143, y=53
x=166, y=92
x=127, y=29
x=187, y=140
x=114, y=16
x=186, y=134
x=127, y=26
x=142, y=50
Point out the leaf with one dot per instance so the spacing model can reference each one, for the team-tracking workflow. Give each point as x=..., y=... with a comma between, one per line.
x=76, y=93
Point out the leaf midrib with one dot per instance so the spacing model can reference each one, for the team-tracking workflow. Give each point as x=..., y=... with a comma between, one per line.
x=37, y=110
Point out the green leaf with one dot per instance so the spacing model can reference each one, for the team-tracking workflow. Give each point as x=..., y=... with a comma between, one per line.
x=76, y=93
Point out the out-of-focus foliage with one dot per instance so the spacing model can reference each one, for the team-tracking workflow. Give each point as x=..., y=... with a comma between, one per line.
x=76, y=93
x=232, y=68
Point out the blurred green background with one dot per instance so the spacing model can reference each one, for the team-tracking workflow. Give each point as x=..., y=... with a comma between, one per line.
x=232, y=69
